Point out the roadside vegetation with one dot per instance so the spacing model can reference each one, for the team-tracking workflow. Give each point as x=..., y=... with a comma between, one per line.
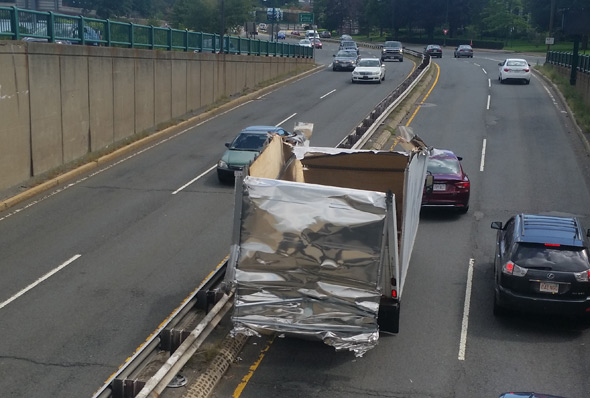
x=574, y=99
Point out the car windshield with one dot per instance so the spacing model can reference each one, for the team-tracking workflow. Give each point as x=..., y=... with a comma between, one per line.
x=346, y=54
x=249, y=142
x=369, y=62
x=392, y=44
x=443, y=166
x=348, y=44
x=550, y=258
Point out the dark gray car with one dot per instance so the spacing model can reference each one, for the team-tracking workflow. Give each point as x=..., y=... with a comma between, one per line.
x=345, y=60
x=392, y=50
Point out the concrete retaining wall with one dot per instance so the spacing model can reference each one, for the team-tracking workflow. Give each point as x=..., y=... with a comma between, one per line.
x=59, y=103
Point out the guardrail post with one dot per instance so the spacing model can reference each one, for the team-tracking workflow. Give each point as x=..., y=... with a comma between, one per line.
x=131, y=35
x=81, y=34
x=50, y=26
x=151, y=37
x=185, y=36
x=108, y=33
x=15, y=23
x=169, y=33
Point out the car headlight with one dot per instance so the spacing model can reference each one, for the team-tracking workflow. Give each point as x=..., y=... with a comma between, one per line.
x=222, y=165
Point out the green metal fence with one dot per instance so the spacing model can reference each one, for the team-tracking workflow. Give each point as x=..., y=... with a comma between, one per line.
x=566, y=59
x=28, y=25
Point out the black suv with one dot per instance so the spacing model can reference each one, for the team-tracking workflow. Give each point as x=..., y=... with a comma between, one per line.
x=542, y=265
x=392, y=50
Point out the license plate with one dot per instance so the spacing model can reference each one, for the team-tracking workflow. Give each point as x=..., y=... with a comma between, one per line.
x=439, y=187
x=547, y=287
x=365, y=77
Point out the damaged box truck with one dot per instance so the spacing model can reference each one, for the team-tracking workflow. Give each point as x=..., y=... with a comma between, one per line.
x=322, y=241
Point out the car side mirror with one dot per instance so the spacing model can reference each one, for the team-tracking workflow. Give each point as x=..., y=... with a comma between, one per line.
x=459, y=158
x=496, y=225
x=227, y=144
x=500, y=63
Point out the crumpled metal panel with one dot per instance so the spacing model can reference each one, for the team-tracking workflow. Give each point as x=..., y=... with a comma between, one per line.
x=308, y=262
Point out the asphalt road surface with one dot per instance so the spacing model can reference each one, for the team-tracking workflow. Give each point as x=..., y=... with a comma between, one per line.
x=91, y=268
x=522, y=155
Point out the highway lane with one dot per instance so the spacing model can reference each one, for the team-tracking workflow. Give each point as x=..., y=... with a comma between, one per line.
x=450, y=344
x=92, y=268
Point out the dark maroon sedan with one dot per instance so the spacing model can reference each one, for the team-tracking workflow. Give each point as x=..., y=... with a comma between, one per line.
x=451, y=186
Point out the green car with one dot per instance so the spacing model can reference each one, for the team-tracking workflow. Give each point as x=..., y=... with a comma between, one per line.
x=244, y=149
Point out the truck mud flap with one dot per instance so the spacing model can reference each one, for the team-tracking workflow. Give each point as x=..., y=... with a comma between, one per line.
x=388, y=318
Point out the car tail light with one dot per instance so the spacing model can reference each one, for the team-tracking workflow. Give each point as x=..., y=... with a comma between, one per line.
x=463, y=185
x=527, y=70
x=583, y=276
x=506, y=69
x=393, y=293
x=512, y=269
x=552, y=244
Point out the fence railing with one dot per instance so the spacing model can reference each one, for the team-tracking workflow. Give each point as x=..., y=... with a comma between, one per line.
x=566, y=59
x=29, y=25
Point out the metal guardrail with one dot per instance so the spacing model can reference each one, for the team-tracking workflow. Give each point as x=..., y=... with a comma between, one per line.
x=206, y=305
x=29, y=25
x=566, y=59
x=371, y=122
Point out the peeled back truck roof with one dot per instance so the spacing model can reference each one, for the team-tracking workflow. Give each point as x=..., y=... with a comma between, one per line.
x=319, y=234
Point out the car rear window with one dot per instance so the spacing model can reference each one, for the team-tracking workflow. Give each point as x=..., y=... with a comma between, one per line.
x=516, y=63
x=443, y=166
x=551, y=258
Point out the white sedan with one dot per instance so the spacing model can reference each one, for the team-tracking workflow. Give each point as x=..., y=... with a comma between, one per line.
x=305, y=43
x=369, y=70
x=514, y=69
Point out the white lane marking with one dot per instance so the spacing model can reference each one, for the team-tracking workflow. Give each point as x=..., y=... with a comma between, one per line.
x=483, y=155
x=484, y=71
x=292, y=116
x=194, y=179
x=476, y=64
x=328, y=93
x=489, y=98
x=465, y=323
x=214, y=166
x=38, y=281
x=553, y=99
x=489, y=82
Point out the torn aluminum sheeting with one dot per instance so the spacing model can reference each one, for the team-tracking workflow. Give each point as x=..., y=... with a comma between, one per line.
x=309, y=261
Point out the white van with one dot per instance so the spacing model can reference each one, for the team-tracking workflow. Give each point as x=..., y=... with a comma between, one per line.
x=311, y=34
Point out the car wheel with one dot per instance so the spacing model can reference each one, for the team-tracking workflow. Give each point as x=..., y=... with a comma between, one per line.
x=527, y=82
x=352, y=81
x=501, y=80
x=463, y=210
x=498, y=310
x=401, y=60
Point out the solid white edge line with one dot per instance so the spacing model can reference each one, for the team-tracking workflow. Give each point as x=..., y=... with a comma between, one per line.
x=38, y=281
x=328, y=93
x=194, y=179
x=483, y=154
x=465, y=323
x=488, y=106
